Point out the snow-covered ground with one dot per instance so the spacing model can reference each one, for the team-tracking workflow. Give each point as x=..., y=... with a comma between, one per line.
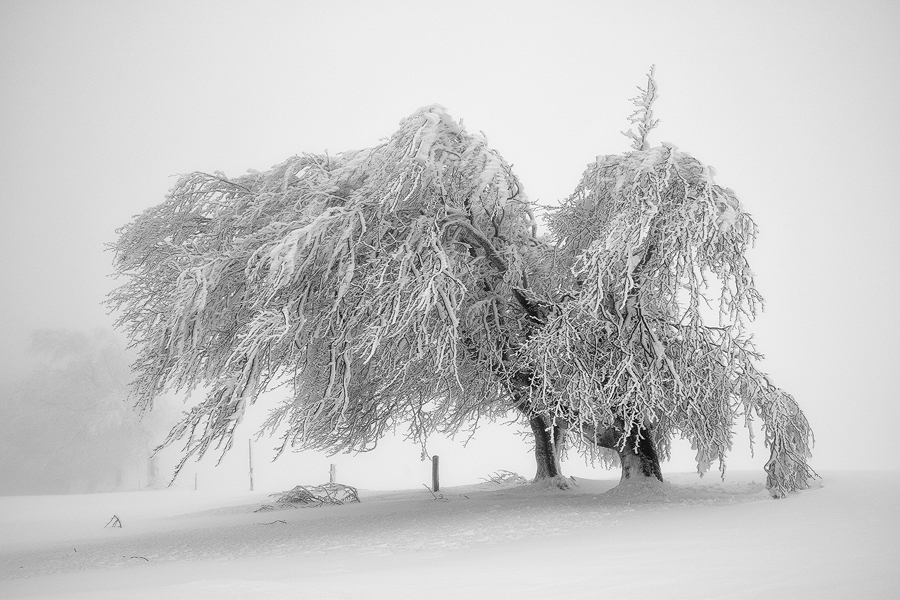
x=688, y=538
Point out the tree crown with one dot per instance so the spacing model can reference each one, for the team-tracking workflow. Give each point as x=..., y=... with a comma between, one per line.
x=407, y=283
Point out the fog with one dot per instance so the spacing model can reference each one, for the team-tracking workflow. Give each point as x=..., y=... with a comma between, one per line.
x=102, y=103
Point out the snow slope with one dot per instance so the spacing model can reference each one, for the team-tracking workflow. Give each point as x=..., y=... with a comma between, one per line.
x=688, y=538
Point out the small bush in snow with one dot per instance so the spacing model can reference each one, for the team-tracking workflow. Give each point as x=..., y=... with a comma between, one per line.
x=504, y=476
x=333, y=494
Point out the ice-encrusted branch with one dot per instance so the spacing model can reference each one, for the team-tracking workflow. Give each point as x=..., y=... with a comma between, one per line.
x=643, y=114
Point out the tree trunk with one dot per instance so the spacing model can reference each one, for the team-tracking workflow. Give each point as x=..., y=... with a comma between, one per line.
x=638, y=456
x=548, y=442
x=153, y=478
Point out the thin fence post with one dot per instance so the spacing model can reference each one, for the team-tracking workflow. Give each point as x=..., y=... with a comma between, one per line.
x=435, y=473
x=250, y=454
x=332, y=473
x=195, y=482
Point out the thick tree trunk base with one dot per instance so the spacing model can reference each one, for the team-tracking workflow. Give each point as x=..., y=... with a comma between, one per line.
x=548, y=441
x=551, y=483
x=638, y=457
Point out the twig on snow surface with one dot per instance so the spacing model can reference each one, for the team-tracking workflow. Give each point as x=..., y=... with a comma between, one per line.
x=441, y=497
x=504, y=476
x=114, y=522
x=334, y=494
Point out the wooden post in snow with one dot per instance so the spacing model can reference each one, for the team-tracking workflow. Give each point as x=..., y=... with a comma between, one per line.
x=435, y=473
x=332, y=473
x=250, y=454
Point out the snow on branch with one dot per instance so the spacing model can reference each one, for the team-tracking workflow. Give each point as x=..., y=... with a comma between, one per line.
x=789, y=438
x=657, y=215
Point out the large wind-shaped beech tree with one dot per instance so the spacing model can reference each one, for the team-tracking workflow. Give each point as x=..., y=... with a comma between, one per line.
x=380, y=286
x=407, y=286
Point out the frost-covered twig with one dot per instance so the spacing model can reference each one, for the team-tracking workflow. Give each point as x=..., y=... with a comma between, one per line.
x=332, y=494
x=503, y=476
x=643, y=114
x=433, y=495
x=114, y=522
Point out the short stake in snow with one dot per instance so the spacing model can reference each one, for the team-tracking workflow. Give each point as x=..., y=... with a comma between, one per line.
x=435, y=474
x=250, y=457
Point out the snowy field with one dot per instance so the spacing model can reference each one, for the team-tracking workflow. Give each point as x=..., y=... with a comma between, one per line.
x=688, y=538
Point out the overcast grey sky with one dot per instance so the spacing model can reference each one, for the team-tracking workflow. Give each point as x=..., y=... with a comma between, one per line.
x=794, y=103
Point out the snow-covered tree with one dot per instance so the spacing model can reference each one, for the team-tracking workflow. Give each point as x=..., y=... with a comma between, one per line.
x=649, y=244
x=407, y=285
x=378, y=285
x=67, y=426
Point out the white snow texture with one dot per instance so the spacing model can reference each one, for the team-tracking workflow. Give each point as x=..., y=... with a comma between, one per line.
x=686, y=538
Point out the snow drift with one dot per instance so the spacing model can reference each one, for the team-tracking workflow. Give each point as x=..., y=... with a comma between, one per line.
x=688, y=538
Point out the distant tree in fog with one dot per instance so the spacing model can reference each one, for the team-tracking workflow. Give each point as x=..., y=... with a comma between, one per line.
x=67, y=426
x=408, y=284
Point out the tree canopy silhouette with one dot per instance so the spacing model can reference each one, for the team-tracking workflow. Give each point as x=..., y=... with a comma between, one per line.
x=409, y=285
x=67, y=426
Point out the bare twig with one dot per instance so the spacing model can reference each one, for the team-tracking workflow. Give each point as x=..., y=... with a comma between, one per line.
x=440, y=497
x=333, y=494
x=504, y=476
x=114, y=522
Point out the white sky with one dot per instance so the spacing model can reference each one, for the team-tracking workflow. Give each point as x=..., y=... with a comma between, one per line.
x=794, y=103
